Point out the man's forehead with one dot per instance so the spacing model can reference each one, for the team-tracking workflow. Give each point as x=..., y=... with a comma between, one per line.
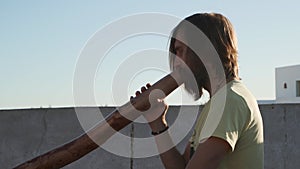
x=180, y=35
x=180, y=39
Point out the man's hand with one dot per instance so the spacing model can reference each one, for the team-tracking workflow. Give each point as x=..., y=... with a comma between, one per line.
x=155, y=113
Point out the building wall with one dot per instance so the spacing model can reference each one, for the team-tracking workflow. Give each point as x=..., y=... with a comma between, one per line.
x=28, y=133
x=288, y=75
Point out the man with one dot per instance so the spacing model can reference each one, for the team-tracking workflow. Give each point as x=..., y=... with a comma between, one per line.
x=229, y=130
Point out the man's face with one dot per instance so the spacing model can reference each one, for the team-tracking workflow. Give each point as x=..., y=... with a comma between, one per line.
x=185, y=58
x=184, y=55
x=181, y=52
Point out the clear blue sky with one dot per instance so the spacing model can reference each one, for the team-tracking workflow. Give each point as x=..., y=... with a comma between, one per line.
x=41, y=41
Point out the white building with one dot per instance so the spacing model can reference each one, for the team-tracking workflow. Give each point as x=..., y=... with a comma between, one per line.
x=288, y=84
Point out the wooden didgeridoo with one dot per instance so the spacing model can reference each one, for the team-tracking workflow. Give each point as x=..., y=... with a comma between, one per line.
x=117, y=120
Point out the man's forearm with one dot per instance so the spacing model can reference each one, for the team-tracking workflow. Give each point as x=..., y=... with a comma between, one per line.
x=171, y=158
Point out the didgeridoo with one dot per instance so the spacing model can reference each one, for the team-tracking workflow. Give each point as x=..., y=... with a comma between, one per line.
x=117, y=120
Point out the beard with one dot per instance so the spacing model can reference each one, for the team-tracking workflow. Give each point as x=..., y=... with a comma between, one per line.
x=198, y=75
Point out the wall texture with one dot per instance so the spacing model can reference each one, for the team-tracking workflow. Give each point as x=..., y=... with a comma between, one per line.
x=25, y=134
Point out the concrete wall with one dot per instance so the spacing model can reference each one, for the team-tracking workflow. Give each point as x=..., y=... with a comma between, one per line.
x=28, y=133
x=282, y=136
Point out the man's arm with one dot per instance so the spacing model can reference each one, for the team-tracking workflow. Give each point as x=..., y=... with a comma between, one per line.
x=209, y=154
x=172, y=159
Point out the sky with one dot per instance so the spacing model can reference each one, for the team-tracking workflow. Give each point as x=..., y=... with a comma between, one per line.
x=41, y=41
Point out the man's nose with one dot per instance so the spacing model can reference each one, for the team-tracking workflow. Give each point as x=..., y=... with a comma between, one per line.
x=179, y=62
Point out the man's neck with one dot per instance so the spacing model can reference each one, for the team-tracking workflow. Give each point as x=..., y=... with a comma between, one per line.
x=219, y=83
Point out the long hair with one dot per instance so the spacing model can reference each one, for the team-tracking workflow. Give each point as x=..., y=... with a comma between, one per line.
x=221, y=34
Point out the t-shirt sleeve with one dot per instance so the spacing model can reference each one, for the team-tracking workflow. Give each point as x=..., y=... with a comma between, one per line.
x=233, y=121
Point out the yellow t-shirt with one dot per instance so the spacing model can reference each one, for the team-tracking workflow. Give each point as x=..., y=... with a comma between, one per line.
x=240, y=125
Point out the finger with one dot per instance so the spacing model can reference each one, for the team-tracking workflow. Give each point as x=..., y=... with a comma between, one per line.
x=160, y=100
x=143, y=89
x=137, y=93
x=148, y=85
x=131, y=97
